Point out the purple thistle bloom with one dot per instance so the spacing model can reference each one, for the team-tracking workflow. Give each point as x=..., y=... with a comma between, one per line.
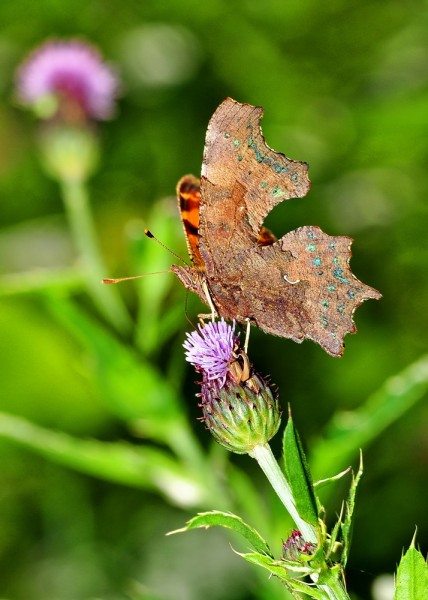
x=73, y=73
x=210, y=349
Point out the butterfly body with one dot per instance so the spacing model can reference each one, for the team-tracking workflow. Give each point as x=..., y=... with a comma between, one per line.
x=299, y=286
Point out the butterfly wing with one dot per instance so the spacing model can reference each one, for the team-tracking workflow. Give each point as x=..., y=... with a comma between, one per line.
x=302, y=288
x=242, y=180
x=298, y=287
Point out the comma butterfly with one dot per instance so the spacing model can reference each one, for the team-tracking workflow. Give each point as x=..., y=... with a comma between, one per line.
x=297, y=287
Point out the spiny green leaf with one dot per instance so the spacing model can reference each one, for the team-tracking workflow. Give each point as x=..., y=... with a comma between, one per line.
x=298, y=475
x=412, y=576
x=322, y=482
x=349, y=511
x=286, y=571
x=217, y=518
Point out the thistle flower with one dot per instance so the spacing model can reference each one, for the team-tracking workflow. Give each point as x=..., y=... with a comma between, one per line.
x=237, y=403
x=210, y=349
x=67, y=79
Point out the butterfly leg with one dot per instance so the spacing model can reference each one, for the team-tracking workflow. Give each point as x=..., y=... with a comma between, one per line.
x=247, y=336
x=210, y=303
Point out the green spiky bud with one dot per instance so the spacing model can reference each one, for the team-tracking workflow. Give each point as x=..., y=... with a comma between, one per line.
x=240, y=415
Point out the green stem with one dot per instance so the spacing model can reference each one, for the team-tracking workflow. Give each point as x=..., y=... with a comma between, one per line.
x=333, y=588
x=106, y=298
x=270, y=467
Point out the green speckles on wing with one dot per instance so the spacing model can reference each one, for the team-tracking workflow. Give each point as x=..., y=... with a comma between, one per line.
x=236, y=143
x=351, y=294
x=317, y=261
x=278, y=169
x=263, y=185
x=311, y=235
x=277, y=192
x=311, y=247
x=227, y=135
x=338, y=274
x=340, y=308
x=325, y=303
x=331, y=288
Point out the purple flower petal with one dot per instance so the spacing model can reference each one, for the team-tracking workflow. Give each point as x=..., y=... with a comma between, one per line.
x=69, y=69
x=210, y=349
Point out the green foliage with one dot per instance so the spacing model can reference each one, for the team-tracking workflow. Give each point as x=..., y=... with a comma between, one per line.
x=147, y=468
x=347, y=524
x=298, y=475
x=287, y=572
x=230, y=521
x=412, y=576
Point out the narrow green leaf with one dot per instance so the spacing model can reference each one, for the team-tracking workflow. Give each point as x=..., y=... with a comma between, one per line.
x=40, y=280
x=133, y=388
x=323, y=482
x=350, y=431
x=298, y=475
x=349, y=511
x=286, y=571
x=139, y=467
x=412, y=576
x=217, y=518
x=332, y=541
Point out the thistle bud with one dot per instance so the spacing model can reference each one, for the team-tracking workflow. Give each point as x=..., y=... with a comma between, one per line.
x=295, y=546
x=237, y=403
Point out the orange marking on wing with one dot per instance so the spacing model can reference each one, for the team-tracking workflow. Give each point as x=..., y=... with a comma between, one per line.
x=266, y=237
x=189, y=197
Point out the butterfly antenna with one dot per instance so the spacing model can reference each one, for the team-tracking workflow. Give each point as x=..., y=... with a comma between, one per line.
x=119, y=279
x=150, y=235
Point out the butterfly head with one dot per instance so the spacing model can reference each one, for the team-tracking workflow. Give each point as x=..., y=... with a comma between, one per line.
x=191, y=278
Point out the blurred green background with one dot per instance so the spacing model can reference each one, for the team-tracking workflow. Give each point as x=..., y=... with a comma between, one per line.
x=107, y=455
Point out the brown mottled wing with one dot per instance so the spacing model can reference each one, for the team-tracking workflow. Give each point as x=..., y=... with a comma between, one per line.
x=306, y=288
x=300, y=287
x=242, y=180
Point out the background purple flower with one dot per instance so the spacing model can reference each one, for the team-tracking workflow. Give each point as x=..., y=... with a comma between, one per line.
x=210, y=349
x=71, y=71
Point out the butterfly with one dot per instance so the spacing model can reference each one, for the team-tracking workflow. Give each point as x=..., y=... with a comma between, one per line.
x=299, y=286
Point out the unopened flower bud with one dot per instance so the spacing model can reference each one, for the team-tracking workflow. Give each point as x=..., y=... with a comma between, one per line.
x=240, y=415
x=295, y=546
x=69, y=153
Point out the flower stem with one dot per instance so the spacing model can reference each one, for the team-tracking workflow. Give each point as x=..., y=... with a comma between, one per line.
x=106, y=298
x=332, y=586
x=270, y=467
x=335, y=590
